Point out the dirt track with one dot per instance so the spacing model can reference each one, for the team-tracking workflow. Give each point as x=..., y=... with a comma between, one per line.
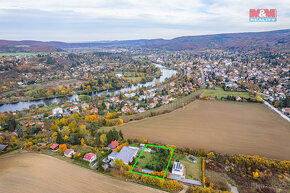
x=222, y=126
x=36, y=173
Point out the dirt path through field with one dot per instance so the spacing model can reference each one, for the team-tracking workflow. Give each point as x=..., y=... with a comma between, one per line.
x=36, y=173
x=222, y=126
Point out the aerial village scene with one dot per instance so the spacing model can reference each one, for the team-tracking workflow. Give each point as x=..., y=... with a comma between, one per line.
x=144, y=96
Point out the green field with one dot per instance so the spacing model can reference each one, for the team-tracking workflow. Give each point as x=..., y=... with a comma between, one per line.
x=134, y=145
x=219, y=92
x=21, y=54
x=193, y=170
x=153, y=161
x=24, y=53
x=144, y=160
x=134, y=78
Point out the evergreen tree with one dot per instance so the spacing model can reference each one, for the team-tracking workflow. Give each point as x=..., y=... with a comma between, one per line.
x=59, y=138
x=34, y=130
x=110, y=136
x=19, y=130
x=121, y=134
x=115, y=134
x=98, y=142
x=74, y=140
x=94, y=127
x=11, y=124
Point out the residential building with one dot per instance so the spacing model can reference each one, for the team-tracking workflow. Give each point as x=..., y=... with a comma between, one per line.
x=177, y=168
x=113, y=144
x=90, y=157
x=57, y=111
x=94, y=111
x=127, y=154
x=68, y=153
x=54, y=147
x=3, y=147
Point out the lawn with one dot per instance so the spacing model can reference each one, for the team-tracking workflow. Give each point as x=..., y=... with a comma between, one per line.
x=21, y=54
x=153, y=161
x=25, y=53
x=134, y=145
x=144, y=160
x=134, y=78
x=193, y=170
x=219, y=92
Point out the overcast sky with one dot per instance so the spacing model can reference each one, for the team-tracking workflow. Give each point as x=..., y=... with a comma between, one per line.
x=93, y=20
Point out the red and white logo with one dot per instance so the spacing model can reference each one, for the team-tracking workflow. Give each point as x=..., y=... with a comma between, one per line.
x=263, y=15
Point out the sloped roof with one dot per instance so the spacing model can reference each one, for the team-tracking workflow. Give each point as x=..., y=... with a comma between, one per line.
x=67, y=151
x=114, y=144
x=2, y=147
x=54, y=146
x=89, y=156
x=113, y=154
x=126, y=154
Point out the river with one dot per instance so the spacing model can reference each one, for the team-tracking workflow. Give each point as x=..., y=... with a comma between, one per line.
x=165, y=73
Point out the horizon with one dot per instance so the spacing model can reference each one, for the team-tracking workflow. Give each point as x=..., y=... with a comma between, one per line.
x=99, y=41
x=72, y=21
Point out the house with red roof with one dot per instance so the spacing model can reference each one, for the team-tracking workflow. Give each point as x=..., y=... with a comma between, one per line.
x=74, y=109
x=125, y=109
x=113, y=144
x=54, y=147
x=238, y=98
x=90, y=157
x=94, y=111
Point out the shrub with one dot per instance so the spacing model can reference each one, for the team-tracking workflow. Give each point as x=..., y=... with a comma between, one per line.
x=121, y=146
x=197, y=189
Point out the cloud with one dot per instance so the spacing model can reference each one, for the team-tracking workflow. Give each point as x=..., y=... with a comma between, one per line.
x=122, y=19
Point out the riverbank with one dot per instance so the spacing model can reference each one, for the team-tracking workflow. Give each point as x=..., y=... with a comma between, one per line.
x=167, y=74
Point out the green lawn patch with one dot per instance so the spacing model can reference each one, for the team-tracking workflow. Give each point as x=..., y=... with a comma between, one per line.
x=134, y=145
x=134, y=78
x=153, y=161
x=193, y=170
x=219, y=92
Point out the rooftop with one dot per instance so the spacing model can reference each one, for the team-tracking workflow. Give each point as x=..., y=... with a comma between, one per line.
x=126, y=154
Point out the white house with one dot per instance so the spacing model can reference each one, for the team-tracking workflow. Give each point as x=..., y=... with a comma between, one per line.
x=90, y=157
x=177, y=168
x=69, y=152
x=57, y=111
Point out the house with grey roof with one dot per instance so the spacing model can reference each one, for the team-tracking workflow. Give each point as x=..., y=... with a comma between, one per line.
x=113, y=155
x=127, y=154
x=3, y=147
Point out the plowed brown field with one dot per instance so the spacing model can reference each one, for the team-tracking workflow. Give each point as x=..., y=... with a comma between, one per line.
x=35, y=173
x=222, y=126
